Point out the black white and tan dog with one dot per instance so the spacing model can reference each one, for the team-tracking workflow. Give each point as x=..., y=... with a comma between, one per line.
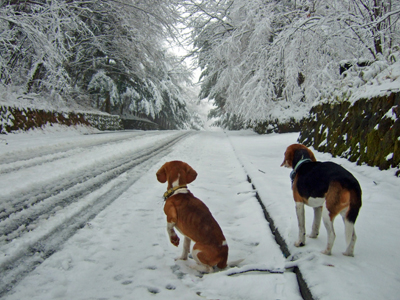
x=329, y=189
x=192, y=218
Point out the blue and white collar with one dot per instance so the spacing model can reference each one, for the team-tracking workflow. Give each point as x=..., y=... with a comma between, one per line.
x=294, y=172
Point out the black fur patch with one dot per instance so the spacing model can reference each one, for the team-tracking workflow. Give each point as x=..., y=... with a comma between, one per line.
x=314, y=179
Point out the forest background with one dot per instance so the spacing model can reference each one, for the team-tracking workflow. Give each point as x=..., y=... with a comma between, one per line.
x=260, y=60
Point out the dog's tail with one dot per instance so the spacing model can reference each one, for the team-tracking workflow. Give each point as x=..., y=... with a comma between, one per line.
x=352, y=213
x=355, y=204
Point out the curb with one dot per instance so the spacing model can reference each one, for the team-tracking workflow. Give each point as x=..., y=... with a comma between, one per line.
x=303, y=287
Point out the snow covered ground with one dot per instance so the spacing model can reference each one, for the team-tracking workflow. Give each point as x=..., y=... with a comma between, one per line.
x=81, y=218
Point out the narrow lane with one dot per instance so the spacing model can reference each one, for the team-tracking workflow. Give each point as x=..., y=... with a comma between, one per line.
x=121, y=249
x=31, y=228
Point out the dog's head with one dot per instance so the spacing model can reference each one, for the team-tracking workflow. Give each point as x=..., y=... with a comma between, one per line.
x=176, y=173
x=294, y=153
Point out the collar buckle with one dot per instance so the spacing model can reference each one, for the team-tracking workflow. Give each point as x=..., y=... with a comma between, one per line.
x=171, y=191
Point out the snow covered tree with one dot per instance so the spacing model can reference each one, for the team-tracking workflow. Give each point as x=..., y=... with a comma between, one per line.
x=32, y=44
x=269, y=59
x=74, y=47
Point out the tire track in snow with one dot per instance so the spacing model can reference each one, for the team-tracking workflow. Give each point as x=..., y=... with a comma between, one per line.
x=77, y=205
x=15, y=161
x=60, y=188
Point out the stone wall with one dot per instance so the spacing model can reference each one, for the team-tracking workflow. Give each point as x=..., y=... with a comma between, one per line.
x=104, y=121
x=277, y=127
x=367, y=131
x=14, y=119
x=131, y=122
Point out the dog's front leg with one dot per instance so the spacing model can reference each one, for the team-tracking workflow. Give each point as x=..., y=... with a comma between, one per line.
x=316, y=223
x=173, y=237
x=172, y=218
x=302, y=226
x=186, y=249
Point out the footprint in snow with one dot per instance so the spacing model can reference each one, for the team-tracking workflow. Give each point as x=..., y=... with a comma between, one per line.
x=176, y=270
x=118, y=277
x=153, y=290
x=170, y=287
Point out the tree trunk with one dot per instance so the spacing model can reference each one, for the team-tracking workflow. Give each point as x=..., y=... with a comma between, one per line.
x=36, y=75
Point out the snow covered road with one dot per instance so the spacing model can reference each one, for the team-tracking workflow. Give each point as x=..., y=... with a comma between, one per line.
x=54, y=190
x=105, y=185
x=81, y=217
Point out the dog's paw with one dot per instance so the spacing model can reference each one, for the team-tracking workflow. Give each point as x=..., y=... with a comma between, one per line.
x=326, y=252
x=299, y=244
x=313, y=235
x=181, y=258
x=175, y=240
x=348, y=254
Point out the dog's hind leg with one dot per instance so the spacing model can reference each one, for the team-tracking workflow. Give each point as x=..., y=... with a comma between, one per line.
x=328, y=222
x=200, y=266
x=208, y=256
x=186, y=248
x=316, y=223
x=350, y=235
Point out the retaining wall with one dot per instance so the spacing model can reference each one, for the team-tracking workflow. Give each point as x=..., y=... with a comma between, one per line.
x=14, y=119
x=367, y=131
x=277, y=127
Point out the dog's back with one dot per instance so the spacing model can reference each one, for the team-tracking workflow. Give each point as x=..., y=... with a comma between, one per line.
x=195, y=219
x=315, y=178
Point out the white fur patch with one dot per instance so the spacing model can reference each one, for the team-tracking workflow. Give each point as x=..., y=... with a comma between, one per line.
x=170, y=227
x=315, y=202
x=176, y=182
x=181, y=191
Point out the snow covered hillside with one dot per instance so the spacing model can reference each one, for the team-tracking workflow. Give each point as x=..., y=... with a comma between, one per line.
x=81, y=217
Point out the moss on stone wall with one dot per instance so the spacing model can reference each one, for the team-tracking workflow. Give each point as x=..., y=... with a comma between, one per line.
x=367, y=131
x=14, y=119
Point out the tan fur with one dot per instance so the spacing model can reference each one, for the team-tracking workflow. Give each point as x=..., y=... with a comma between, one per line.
x=337, y=199
x=296, y=195
x=193, y=219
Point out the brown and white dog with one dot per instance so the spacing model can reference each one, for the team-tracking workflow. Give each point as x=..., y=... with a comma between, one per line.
x=192, y=218
x=329, y=189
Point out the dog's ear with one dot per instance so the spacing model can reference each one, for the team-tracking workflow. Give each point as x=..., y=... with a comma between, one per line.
x=162, y=175
x=288, y=158
x=284, y=162
x=191, y=174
